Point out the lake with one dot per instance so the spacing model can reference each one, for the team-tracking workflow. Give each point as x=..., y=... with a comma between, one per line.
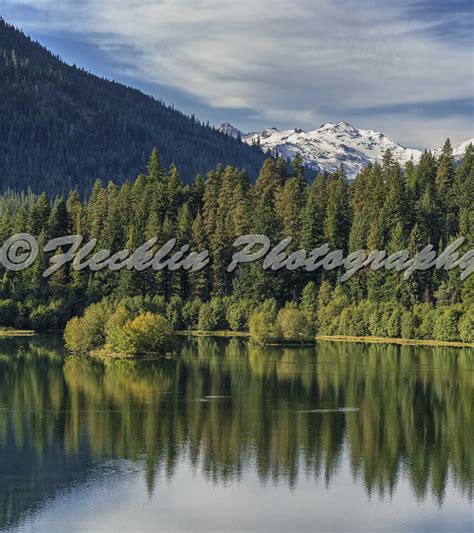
x=226, y=436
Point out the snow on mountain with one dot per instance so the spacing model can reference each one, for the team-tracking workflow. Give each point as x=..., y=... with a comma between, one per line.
x=228, y=129
x=332, y=145
x=458, y=151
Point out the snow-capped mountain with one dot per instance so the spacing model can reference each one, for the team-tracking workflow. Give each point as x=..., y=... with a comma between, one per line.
x=228, y=129
x=332, y=145
x=458, y=151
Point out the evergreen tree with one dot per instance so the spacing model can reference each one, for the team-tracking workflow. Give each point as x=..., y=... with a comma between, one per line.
x=39, y=214
x=199, y=279
x=338, y=213
x=445, y=189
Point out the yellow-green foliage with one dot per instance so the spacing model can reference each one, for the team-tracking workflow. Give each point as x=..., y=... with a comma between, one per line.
x=73, y=334
x=291, y=324
x=114, y=336
x=466, y=326
x=446, y=324
x=263, y=329
x=88, y=332
x=146, y=333
x=295, y=325
x=119, y=331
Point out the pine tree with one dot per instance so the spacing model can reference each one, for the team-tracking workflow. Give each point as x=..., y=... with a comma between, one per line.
x=76, y=214
x=265, y=218
x=155, y=170
x=174, y=193
x=394, y=201
x=312, y=227
x=197, y=194
x=97, y=211
x=183, y=236
x=298, y=171
x=58, y=220
x=445, y=189
x=210, y=199
x=309, y=300
x=39, y=214
x=199, y=279
x=290, y=200
x=338, y=213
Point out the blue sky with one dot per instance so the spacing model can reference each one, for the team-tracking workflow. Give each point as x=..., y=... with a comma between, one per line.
x=405, y=68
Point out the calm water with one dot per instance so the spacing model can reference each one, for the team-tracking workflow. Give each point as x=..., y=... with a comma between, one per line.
x=227, y=437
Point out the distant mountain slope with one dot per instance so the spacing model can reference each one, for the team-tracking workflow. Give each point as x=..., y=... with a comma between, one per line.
x=61, y=126
x=332, y=145
x=458, y=151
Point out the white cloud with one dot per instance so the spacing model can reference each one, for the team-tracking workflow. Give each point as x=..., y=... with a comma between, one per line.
x=287, y=61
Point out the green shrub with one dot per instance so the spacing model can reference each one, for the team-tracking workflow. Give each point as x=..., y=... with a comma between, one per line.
x=238, y=313
x=426, y=321
x=295, y=325
x=146, y=333
x=191, y=314
x=394, y=323
x=74, y=335
x=329, y=315
x=174, y=312
x=87, y=333
x=8, y=311
x=407, y=327
x=39, y=317
x=368, y=311
x=136, y=304
x=20, y=318
x=351, y=322
x=309, y=300
x=51, y=316
x=212, y=315
x=467, y=291
x=158, y=305
x=466, y=326
x=270, y=306
x=263, y=329
x=446, y=324
x=114, y=330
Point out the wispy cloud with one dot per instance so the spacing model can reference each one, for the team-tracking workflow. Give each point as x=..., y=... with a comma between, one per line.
x=298, y=62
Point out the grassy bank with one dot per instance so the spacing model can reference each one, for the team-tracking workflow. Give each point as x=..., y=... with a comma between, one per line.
x=387, y=340
x=335, y=338
x=16, y=332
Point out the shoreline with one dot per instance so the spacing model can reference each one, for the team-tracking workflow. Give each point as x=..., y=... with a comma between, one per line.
x=246, y=335
x=335, y=338
x=395, y=340
x=17, y=333
x=218, y=333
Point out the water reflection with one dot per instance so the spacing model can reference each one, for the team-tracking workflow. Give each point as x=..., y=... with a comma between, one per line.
x=224, y=408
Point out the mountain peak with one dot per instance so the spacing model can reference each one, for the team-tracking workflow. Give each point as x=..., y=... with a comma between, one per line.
x=229, y=129
x=337, y=125
x=336, y=144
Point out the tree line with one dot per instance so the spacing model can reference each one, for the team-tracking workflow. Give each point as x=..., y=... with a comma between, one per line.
x=386, y=207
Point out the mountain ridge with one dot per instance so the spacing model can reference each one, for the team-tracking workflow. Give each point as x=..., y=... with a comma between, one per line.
x=332, y=145
x=62, y=127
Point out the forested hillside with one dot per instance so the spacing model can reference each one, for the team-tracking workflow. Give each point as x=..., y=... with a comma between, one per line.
x=62, y=127
x=385, y=208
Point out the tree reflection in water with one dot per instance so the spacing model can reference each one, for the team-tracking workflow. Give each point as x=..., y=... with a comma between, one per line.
x=225, y=406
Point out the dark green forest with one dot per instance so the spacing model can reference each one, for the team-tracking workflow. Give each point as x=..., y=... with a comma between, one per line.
x=386, y=208
x=62, y=127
